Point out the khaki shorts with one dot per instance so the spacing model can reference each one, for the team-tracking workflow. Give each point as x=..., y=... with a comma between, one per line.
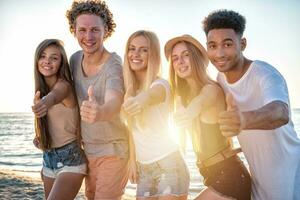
x=107, y=177
x=166, y=177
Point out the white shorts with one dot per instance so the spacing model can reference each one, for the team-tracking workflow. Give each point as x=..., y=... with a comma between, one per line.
x=80, y=169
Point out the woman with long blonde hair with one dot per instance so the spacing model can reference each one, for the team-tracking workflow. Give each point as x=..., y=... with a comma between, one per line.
x=161, y=170
x=199, y=100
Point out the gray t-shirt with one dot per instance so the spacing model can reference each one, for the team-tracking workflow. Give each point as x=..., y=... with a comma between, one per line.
x=102, y=138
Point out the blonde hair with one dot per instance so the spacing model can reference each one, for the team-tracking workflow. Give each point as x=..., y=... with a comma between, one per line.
x=179, y=86
x=153, y=63
x=153, y=68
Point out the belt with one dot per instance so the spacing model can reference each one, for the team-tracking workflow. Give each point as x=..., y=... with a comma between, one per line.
x=220, y=156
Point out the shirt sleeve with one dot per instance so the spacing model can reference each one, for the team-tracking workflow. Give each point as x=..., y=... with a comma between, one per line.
x=274, y=88
x=167, y=87
x=115, y=78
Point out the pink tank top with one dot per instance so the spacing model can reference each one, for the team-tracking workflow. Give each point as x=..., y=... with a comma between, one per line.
x=63, y=124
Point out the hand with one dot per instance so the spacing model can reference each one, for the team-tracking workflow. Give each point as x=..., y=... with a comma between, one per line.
x=89, y=109
x=36, y=143
x=134, y=105
x=231, y=121
x=132, y=172
x=39, y=108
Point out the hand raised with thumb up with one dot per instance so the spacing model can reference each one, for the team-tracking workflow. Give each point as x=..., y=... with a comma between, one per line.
x=231, y=121
x=89, y=108
x=39, y=107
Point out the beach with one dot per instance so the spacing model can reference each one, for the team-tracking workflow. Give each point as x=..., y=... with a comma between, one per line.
x=20, y=161
x=19, y=185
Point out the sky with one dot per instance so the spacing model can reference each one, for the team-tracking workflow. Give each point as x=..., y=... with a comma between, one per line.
x=272, y=32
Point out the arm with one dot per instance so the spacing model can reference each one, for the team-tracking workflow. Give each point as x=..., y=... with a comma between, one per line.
x=153, y=96
x=59, y=92
x=132, y=160
x=271, y=116
x=91, y=111
x=208, y=97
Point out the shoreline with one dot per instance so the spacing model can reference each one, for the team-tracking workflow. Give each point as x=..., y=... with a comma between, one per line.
x=20, y=185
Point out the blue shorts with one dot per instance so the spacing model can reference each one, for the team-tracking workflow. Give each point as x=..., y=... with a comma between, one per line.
x=168, y=176
x=68, y=158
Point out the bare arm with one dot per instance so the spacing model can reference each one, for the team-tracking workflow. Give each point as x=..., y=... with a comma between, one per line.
x=91, y=111
x=155, y=95
x=59, y=93
x=208, y=97
x=271, y=116
x=112, y=105
x=132, y=160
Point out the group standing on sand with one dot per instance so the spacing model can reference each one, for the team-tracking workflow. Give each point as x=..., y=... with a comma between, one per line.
x=106, y=121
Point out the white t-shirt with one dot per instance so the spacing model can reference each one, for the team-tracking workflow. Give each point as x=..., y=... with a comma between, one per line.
x=152, y=137
x=273, y=155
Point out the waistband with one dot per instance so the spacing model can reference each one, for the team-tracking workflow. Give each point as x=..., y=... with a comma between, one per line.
x=218, y=157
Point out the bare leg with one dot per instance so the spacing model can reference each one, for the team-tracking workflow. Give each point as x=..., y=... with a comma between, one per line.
x=66, y=186
x=116, y=198
x=170, y=197
x=48, y=183
x=147, y=198
x=209, y=194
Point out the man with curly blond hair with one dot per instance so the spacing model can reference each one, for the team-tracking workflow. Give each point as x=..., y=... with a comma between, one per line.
x=99, y=86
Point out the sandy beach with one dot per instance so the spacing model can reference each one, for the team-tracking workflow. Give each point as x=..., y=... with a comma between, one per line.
x=17, y=185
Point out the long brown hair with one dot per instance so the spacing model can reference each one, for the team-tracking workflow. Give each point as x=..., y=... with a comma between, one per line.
x=41, y=124
x=179, y=86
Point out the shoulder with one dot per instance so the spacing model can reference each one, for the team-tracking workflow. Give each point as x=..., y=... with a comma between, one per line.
x=265, y=71
x=212, y=88
x=76, y=55
x=63, y=84
x=114, y=65
x=160, y=82
x=75, y=60
x=264, y=68
x=115, y=59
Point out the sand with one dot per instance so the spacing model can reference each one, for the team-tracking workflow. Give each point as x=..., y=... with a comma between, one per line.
x=16, y=186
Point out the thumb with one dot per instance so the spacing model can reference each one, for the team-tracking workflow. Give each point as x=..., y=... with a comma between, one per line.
x=91, y=93
x=37, y=97
x=129, y=92
x=231, y=104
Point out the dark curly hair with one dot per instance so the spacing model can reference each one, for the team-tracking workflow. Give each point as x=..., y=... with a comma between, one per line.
x=221, y=19
x=95, y=7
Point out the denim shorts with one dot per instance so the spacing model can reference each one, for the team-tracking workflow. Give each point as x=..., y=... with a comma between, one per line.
x=68, y=158
x=229, y=178
x=168, y=176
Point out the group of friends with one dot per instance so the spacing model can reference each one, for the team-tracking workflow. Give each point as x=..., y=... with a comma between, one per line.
x=108, y=121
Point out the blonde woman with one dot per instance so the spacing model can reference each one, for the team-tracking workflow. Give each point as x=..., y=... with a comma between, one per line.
x=161, y=170
x=200, y=101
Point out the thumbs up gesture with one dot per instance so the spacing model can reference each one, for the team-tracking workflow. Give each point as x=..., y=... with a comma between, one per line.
x=134, y=105
x=89, y=108
x=231, y=121
x=39, y=107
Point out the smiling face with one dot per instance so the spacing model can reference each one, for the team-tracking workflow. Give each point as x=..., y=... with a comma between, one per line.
x=180, y=57
x=90, y=31
x=224, y=49
x=49, y=61
x=138, y=53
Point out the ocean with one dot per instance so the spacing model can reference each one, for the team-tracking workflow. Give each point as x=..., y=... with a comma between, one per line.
x=18, y=153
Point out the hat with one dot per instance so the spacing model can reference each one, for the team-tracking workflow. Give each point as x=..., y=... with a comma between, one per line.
x=185, y=38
